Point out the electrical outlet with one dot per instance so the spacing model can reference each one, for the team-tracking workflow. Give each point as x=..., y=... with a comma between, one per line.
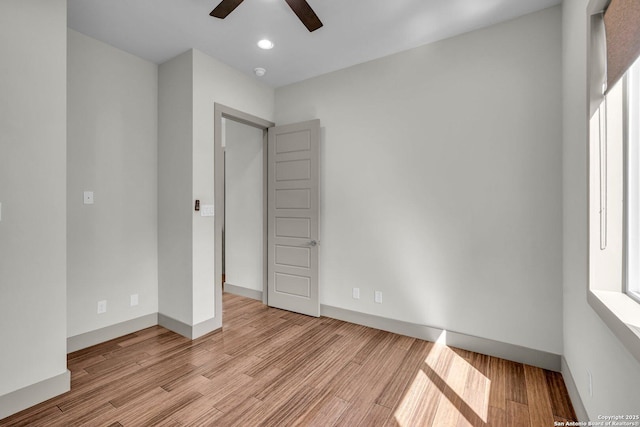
x=134, y=300
x=87, y=197
x=378, y=297
x=102, y=306
x=356, y=293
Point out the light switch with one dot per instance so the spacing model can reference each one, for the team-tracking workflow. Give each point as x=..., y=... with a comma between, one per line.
x=206, y=210
x=88, y=197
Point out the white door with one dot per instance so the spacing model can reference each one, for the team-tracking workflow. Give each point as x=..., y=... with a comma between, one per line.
x=293, y=217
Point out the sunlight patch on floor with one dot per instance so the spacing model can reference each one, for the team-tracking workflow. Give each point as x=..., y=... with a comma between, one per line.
x=413, y=400
x=446, y=391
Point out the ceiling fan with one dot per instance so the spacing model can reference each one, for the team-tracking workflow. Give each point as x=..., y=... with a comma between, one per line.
x=299, y=7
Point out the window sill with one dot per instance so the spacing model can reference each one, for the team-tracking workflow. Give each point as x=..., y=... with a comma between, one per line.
x=621, y=314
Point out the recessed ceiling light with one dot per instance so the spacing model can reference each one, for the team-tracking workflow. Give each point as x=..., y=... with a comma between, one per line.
x=259, y=71
x=265, y=44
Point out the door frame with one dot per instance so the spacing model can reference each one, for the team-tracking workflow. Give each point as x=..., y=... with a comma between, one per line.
x=220, y=112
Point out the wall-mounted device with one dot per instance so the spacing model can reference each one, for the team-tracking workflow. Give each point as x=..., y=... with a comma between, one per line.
x=197, y=205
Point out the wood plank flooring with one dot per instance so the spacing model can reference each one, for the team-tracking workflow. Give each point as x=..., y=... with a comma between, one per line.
x=269, y=367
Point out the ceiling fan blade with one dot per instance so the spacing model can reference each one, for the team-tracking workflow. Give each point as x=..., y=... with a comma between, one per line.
x=305, y=13
x=224, y=8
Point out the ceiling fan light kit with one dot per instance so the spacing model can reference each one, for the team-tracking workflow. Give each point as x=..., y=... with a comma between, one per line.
x=265, y=44
x=300, y=7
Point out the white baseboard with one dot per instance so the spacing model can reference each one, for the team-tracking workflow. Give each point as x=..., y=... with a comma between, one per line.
x=486, y=346
x=576, y=400
x=243, y=292
x=174, y=325
x=480, y=345
x=88, y=339
x=188, y=331
x=78, y=342
x=204, y=328
x=33, y=394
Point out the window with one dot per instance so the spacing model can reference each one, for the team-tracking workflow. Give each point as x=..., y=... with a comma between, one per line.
x=606, y=194
x=632, y=180
x=614, y=168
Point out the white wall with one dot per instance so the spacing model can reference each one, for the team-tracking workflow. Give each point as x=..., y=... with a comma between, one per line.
x=215, y=82
x=32, y=192
x=441, y=182
x=244, y=206
x=189, y=86
x=112, y=150
x=589, y=346
x=175, y=135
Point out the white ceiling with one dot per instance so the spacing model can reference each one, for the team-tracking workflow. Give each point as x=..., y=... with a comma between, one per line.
x=354, y=31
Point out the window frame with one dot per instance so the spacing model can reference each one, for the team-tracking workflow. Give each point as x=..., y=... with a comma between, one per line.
x=631, y=135
x=609, y=301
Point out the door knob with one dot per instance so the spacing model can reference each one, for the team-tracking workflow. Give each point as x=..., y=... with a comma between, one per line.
x=313, y=243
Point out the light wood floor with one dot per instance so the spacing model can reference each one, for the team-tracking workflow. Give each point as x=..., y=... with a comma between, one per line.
x=274, y=368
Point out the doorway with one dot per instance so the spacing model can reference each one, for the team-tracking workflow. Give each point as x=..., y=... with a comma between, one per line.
x=243, y=230
x=241, y=126
x=290, y=212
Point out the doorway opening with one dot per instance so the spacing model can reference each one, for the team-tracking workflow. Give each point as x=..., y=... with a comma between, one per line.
x=240, y=172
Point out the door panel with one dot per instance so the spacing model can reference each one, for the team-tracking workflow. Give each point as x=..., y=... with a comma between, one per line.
x=289, y=143
x=293, y=227
x=295, y=286
x=293, y=217
x=293, y=170
x=293, y=256
x=293, y=199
